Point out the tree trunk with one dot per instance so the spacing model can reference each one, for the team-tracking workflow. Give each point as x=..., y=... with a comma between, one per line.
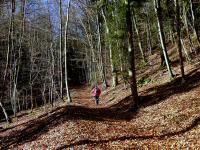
x=65, y=53
x=179, y=39
x=60, y=61
x=43, y=95
x=14, y=64
x=32, y=104
x=52, y=74
x=185, y=51
x=171, y=35
x=18, y=60
x=132, y=73
x=5, y=113
x=194, y=23
x=149, y=42
x=187, y=30
x=114, y=84
x=105, y=84
x=161, y=34
x=138, y=36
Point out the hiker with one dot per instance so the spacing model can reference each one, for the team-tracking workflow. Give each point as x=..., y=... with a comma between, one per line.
x=96, y=93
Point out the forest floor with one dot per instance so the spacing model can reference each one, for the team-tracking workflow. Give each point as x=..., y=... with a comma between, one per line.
x=168, y=116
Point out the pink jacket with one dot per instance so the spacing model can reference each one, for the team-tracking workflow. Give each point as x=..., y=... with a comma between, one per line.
x=96, y=91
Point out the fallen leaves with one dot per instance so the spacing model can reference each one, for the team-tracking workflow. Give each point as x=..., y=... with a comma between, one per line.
x=168, y=123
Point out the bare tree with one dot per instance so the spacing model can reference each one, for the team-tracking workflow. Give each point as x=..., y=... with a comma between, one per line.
x=158, y=11
x=60, y=61
x=138, y=36
x=65, y=53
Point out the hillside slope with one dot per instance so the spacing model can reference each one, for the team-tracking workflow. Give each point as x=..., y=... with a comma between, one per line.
x=168, y=117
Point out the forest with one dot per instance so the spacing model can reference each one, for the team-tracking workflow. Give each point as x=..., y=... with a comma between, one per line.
x=142, y=55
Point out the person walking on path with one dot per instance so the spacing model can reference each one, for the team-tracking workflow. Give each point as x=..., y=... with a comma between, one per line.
x=96, y=93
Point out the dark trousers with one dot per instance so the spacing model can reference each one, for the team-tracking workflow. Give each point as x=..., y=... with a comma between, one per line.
x=96, y=99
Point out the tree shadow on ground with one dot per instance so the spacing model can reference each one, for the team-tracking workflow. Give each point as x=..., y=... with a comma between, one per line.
x=164, y=91
x=130, y=137
x=120, y=111
x=34, y=128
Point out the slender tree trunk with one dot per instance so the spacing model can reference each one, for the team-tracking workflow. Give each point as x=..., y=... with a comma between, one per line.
x=5, y=113
x=185, y=51
x=132, y=73
x=187, y=29
x=43, y=95
x=60, y=61
x=14, y=64
x=14, y=99
x=172, y=36
x=31, y=67
x=32, y=104
x=8, y=49
x=149, y=42
x=87, y=66
x=138, y=36
x=115, y=71
x=65, y=53
x=194, y=22
x=179, y=39
x=52, y=59
x=122, y=68
x=161, y=34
